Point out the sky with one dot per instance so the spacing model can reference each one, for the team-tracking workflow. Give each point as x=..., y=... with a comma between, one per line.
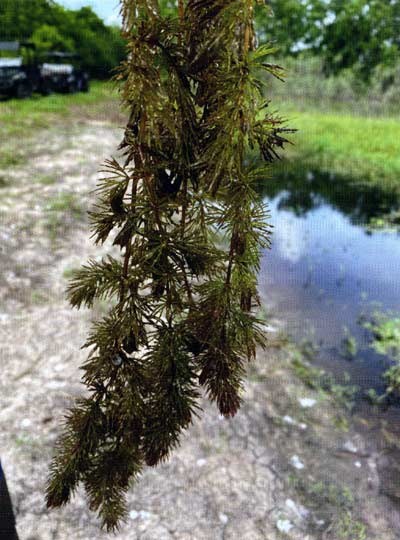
x=107, y=9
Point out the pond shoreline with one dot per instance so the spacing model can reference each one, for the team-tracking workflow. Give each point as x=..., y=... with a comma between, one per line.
x=343, y=457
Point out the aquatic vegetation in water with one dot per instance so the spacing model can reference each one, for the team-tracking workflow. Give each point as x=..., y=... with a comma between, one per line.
x=386, y=341
x=183, y=319
x=318, y=379
x=349, y=345
x=387, y=222
x=351, y=529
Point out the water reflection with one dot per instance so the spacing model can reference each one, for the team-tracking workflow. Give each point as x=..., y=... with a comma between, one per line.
x=325, y=270
x=301, y=191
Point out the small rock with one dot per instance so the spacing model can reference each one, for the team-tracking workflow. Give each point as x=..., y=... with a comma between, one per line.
x=25, y=423
x=358, y=464
x=55, y=385
x=223, y=518
x=292, y=422
x=297, y=509
x=349, y=446
x=291, y=504
x=307, y=403
x=201, y=462
x=289, y=420
x=284, y=525
x=145, y=515
x=297, y=464
x=133, y=514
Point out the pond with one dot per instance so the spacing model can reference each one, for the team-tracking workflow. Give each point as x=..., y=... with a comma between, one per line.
x=327, y=268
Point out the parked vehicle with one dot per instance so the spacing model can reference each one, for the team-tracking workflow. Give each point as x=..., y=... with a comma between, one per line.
x=64, y=77
x=22, y=72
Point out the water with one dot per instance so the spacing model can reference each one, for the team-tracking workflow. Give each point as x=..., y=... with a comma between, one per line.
x=326, y=269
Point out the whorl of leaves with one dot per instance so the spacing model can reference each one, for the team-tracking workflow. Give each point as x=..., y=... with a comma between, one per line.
x=182, y=206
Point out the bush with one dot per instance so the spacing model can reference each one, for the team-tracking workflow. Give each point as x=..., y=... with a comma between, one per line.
x=305, y=82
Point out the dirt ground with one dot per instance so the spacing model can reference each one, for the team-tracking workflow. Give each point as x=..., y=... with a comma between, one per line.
x=284, y=468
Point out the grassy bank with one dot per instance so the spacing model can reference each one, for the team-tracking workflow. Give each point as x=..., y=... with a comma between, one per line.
x=21, y=117
x=344, y=144
x=22, y=120
x=346, y=127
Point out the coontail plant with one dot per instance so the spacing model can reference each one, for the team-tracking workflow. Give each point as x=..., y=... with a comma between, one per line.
x=181, y=204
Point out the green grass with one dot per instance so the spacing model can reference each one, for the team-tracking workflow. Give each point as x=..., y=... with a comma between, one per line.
x=20, y=118
x=47, y=180
x=60, y=210
x=4, y=182
x=350, y=528
x=366, y=149
x=10, y=158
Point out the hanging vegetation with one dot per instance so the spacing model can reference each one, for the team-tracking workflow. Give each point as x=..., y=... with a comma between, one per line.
x=182, y=205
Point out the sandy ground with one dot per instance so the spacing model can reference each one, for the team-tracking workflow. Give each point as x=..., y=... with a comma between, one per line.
x=279, y=470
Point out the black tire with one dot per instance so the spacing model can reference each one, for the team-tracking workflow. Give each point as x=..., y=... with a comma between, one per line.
x=23, y=90
x=46, y=89
x=72, y=87
x=85, y=86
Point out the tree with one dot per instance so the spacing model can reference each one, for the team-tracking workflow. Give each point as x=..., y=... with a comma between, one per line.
x=48, y=38
x=361, y=35
x=356, y=34
x=285, y=23
x=182, y=207
x=52, y=27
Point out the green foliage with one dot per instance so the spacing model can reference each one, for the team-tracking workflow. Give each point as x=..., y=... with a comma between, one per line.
x=334, y=503
x=349, y=345
x=59, y=210
x=48, y=38
x=351, y=529
x=53, y=27
x=386, y=341
x=326, y=495
x=307, y=84
x=22, y=120
x=318, y=379
x=361, y=34
x=285, y=22
x=386, y=334
x=182, y=296
x=357, y=150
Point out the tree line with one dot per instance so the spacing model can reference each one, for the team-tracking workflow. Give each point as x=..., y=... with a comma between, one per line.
x=360, y=35
x=54, y=28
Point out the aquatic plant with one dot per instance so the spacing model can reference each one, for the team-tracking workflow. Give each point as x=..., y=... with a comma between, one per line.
x=181, y=317
x=385, y=331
